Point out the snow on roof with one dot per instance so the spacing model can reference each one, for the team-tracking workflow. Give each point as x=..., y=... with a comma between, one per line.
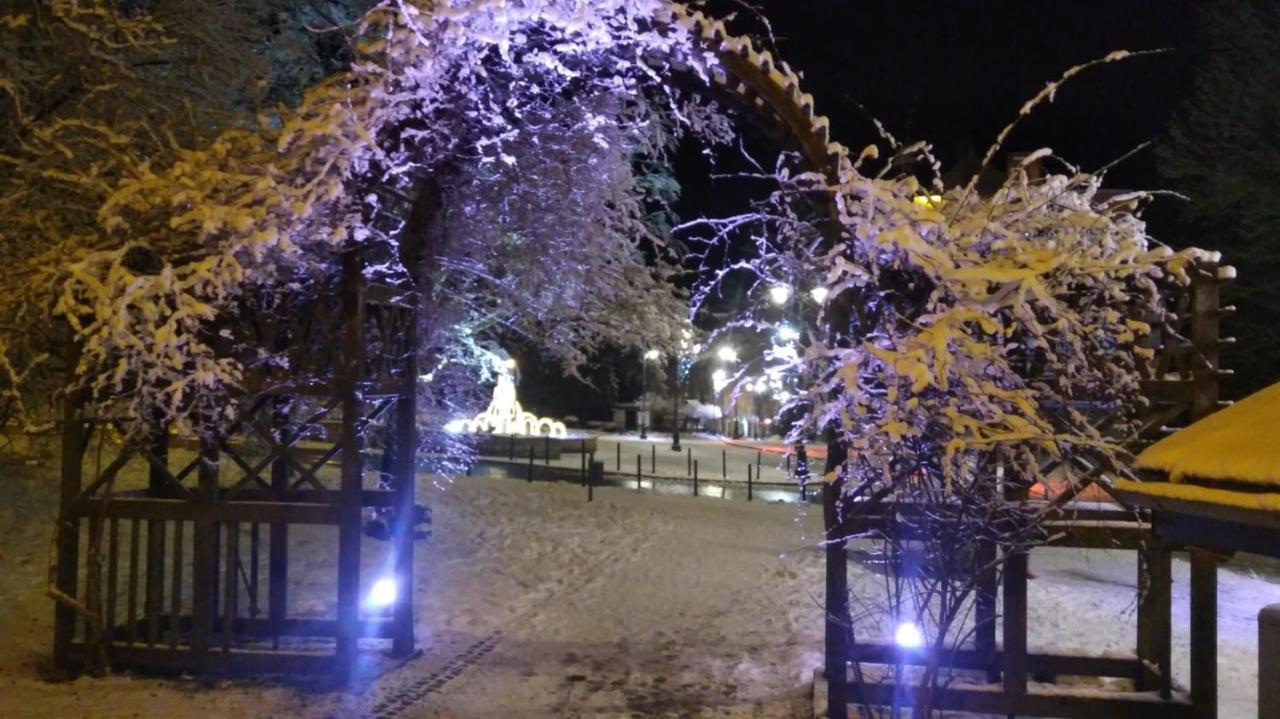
x=1239, y=444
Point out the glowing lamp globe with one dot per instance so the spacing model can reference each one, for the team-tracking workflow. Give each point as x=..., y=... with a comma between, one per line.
x=779, y=294
x=908, y=636
x=819, y=294
x=383, y=594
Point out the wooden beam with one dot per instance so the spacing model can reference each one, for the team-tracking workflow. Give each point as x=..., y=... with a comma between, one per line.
x=1155, y=629
x=1204, y=633
x=349, y=374
x=183, y=510
x=976, y=659
x=1044, y=702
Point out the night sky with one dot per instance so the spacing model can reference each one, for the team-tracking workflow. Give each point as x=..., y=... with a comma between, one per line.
x=954, y=73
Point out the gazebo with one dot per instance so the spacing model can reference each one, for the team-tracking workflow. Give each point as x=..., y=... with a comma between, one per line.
x=1215, y=487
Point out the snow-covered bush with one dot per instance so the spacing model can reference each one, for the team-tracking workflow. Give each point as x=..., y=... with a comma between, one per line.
x=537, y=121
x=962, y=343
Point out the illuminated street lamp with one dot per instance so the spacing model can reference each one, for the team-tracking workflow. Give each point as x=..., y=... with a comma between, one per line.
x=819, y=294
x=779, y=294
x=644, y=391
x=727, y=354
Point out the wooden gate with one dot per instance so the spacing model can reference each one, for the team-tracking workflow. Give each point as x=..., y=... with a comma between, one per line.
x=184, y=566
x=1181, y=383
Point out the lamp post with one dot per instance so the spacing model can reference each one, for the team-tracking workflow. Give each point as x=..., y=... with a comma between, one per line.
x=720, y=378
x=644, y=391
x=680, y=364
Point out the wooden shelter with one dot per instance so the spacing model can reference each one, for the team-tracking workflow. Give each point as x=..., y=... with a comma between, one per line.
x=1215, y=488
x=1216, y=484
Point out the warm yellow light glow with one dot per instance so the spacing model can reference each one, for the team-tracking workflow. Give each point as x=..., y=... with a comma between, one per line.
x=510, y=363
x=930, y=201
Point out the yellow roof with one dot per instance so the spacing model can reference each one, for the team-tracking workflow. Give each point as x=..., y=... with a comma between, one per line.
x=1239, y=444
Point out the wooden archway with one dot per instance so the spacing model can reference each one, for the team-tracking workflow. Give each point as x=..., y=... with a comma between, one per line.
x=166, y=563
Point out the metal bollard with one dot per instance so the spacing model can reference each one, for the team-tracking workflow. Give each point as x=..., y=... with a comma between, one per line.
x=653, y=458
x=724, y=464
x=594, y=477
x=695, y=477
x=688, y=463
x=750, y=489
x=637, y=471
x=618, y=446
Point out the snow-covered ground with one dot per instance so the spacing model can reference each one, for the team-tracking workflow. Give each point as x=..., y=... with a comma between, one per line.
x=534, y=603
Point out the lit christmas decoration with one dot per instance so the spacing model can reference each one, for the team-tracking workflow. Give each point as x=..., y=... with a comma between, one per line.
x=727, y=354
x=779, y=294
x=819, y=294
x=505, y=415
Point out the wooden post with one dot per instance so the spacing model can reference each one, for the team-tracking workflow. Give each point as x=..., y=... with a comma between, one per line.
x=74, y=441
x=347, y=629
x=406, y=440
x=984, y=609
x=1204, y=633
x=1014, y=655
x=1154, y=621
x=836, y=627
x=153, y=592
x=750, y=489
x=230, y=588
x=1269, y=662
x=278, y=533
x=1206, y=291
x=204, y=559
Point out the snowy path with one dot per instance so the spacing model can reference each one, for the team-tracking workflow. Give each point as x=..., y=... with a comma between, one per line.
x=647, y=610
x=534, y=603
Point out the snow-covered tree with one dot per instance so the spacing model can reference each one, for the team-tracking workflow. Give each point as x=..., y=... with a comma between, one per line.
x=1223, y=152
x=536, y=121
